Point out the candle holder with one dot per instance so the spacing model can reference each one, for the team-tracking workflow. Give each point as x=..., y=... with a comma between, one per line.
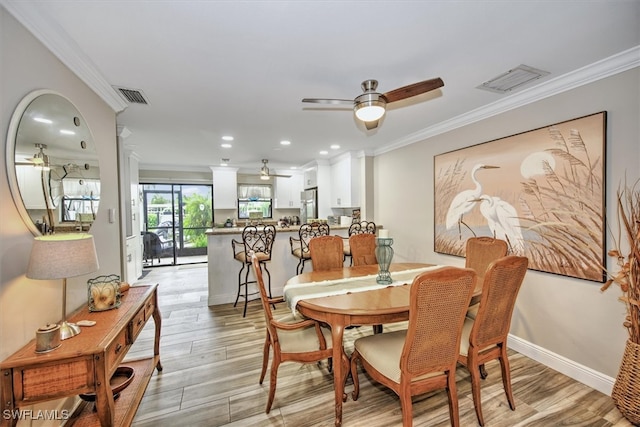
x=384, y=254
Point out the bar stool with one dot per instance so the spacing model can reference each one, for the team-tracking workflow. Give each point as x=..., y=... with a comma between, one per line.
x=258, y=241
x=300, y=246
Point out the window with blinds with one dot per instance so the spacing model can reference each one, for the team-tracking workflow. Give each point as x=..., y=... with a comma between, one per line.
x=254, y=201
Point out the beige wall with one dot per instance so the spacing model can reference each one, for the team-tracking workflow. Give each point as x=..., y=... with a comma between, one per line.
x=566, y=317
x=25, y=304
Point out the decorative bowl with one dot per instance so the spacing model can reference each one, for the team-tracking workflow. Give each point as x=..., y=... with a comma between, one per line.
x=120, y=379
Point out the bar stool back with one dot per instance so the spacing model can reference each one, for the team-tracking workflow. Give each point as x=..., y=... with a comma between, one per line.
x=256, y=240
x=300, y=246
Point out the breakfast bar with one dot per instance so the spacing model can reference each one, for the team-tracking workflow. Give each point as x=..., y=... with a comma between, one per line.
x=223, y=269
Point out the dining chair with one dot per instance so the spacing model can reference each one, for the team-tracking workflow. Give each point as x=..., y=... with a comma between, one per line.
x=300, y=246
x=362, y=227
x=363, y=249
x=152, y=246
x=479, y=253
x=259, y=241
x=326, y=253
x=423, y=357
x=485, y=337
x=292, y=339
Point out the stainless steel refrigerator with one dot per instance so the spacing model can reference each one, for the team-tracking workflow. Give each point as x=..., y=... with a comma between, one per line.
x=308, y=205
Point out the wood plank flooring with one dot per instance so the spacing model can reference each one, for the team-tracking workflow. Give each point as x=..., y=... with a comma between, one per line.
x=212, y=359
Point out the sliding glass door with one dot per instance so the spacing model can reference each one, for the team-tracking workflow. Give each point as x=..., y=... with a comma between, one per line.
x=176, y=217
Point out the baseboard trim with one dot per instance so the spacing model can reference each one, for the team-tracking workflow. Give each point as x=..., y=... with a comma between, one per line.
x=594, y=379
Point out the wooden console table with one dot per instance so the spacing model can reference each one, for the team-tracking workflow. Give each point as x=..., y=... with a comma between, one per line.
x=85, y=364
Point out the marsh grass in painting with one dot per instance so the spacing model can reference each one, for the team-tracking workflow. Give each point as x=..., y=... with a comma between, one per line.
x=545, y=196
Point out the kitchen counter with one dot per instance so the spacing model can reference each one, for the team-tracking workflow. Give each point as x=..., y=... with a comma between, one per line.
x=290, y=229
x=223, y=269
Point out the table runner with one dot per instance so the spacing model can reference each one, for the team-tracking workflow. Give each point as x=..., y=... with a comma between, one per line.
x=297, y=291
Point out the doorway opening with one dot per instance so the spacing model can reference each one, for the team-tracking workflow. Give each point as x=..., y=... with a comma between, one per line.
x=176, y=218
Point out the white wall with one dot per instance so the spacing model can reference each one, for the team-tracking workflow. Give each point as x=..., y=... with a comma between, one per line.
x=566, y=318
x=25, y=304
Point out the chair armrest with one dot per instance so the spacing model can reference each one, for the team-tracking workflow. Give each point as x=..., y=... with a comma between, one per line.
x=275, y=300
x=293, y=326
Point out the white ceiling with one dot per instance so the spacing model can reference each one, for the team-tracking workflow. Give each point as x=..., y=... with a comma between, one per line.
x=241, y=68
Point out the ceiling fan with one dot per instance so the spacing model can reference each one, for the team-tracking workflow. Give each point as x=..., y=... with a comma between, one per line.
x=370, y=106
x=38, y=159
x=264, y=171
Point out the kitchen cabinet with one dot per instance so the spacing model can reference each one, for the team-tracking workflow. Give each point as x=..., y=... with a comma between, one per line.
x=287, y=191
x=345, y=182
x=225, y=188
x=310, y=178
x=30, y=185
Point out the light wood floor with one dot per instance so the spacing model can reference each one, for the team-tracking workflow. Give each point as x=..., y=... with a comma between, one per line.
x=212, y=359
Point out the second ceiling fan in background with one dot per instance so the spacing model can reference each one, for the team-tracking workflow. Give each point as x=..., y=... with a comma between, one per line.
x=370, y=106
x=264, y=171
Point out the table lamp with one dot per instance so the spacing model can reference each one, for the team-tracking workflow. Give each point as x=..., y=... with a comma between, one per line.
x=61, y=256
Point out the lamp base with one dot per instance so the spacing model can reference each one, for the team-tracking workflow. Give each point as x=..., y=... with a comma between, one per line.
x=68, y=330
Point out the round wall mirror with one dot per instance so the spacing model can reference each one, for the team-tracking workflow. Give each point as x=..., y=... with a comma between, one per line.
x=52, y=165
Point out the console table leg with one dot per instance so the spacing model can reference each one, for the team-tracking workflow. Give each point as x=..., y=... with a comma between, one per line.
x=105, y=406
x=157, y=320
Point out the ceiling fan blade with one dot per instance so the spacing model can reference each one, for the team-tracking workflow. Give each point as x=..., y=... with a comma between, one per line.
x=328, y=101
x=413, y=90
x=371, y=125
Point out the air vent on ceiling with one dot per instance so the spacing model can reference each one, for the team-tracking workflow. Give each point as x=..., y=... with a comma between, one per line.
x=513, y=79
x=133, y=96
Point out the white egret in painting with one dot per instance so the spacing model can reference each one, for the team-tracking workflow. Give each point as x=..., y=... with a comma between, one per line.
x=463, y=202
x=502, y=219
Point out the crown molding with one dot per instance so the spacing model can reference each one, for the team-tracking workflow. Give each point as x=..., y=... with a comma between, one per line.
x=54, y=38
x=606, y=67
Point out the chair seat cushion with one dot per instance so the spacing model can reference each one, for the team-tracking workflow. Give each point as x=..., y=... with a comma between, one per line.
x=297, y=253
x=382, y=351
x=301, y=340
x=472, y=312
x=242, y=257
x=347, y=248
x=464, y=338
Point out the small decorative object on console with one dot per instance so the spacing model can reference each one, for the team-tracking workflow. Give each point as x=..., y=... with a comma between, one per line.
x=104, y=292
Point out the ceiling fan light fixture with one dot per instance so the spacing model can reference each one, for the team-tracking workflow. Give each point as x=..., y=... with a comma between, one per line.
x=40, y=159
x=369, y=107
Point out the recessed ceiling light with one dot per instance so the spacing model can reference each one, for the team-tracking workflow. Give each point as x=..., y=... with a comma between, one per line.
x=225, y=145
x=227, y=138
x=324, y=152
x=335, y=147
x=285, y=142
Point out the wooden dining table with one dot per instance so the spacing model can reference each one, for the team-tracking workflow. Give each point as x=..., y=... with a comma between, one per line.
x=387, y=304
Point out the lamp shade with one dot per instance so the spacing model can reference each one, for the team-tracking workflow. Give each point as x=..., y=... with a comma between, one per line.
x=61, y=256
